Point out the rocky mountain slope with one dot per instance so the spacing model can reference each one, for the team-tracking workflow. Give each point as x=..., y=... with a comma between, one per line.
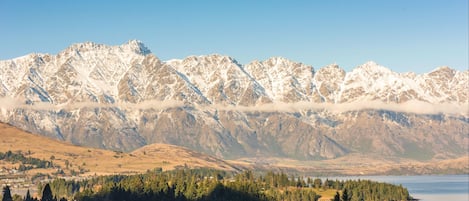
x=92, y=161
x=124, y=97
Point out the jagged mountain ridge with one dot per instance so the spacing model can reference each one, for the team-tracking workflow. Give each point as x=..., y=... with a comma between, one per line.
x=123, y=97
x=102, y=69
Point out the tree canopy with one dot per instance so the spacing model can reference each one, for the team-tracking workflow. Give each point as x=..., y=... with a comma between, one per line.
x=207, y=184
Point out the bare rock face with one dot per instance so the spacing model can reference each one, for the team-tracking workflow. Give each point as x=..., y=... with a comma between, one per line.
x=282, y=79
x=328, y=82
x=123, y=97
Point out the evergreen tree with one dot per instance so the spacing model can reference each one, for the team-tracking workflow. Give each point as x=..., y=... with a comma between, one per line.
x=28, y=196
x=7, y=194
x=202, y=185
x=317, y=183
x=47, y=194
x=345, y=195
x=337, y=196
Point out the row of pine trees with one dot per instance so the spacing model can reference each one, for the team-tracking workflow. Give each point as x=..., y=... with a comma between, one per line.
x=207, y=184
x=46, y=195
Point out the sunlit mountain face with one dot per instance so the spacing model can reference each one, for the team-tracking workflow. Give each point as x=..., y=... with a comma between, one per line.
x=124, y=97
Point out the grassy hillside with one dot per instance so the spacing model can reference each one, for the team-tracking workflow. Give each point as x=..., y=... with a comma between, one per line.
x=96, y=161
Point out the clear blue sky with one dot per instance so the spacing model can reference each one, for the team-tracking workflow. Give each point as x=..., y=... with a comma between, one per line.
x=404, y=35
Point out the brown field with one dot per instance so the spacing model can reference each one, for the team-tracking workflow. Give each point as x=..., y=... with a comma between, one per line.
x=101, y=162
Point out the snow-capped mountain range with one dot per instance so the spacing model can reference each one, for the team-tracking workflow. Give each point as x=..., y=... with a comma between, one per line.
x=123, y=97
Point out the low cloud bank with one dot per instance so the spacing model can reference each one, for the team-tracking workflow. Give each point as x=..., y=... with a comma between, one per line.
x=417, y=107
x=12, y=103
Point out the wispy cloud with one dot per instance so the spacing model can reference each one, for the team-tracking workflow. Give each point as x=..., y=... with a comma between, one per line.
x=418, y=107
x=13, y=103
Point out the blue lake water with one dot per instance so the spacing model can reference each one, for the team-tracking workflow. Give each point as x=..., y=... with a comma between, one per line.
x=427, y=187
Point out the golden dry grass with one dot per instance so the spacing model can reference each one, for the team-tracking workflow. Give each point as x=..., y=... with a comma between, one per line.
x=101, y=162
x=327, y=194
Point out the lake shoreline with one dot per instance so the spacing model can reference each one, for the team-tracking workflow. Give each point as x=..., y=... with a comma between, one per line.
x=424, y=187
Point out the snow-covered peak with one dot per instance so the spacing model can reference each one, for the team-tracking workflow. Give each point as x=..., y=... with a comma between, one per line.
x=279, y=61
x=372, y=67
x=443, y=72
x=86, y=46
x=327, y=81
x=277, y=64
x=372, y=81
x=82, y=72
x=444, y=84
x=26, y=58
x=204, y=64
x=330, y=72
x=368, y=72
x=137, y=47
x=332, y=68
x=131, y=47
x=220, y=78
x=283, y=79
x=442, y=68
x=95, y=70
